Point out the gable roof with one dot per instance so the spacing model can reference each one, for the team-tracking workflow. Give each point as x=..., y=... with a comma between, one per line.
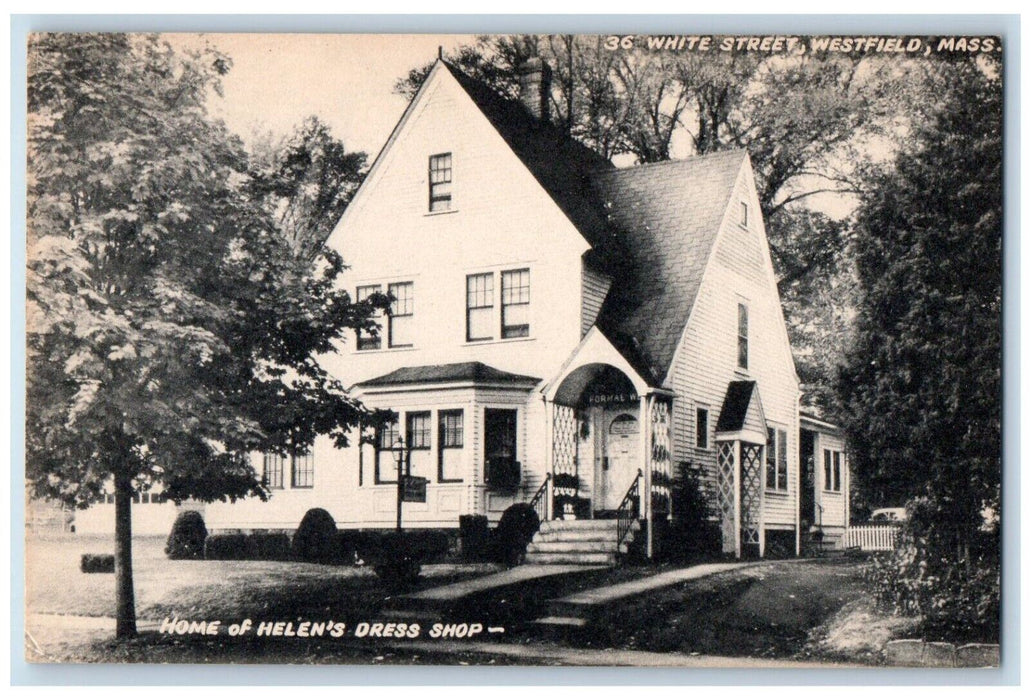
x=474, y=372
x=560, y=164
x=735, y=406
x=669, y=215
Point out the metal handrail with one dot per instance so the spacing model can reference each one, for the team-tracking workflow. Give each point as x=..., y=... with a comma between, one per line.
x=539, y=502
x=628, y=511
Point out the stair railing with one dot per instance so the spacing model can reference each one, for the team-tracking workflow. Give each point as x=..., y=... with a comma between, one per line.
x=539, y=502
x=628, y=511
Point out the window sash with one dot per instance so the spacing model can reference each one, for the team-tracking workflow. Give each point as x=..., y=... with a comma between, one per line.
x=515, y=303
x=702, y=428
x=450, y=441
x=385, y=454
x=742, y=336
x=400, y=321
x=837, y=471
x=365, y=341
x=440, y=177
x=272, y=471
x=479, y=305
x=418, y=431
x=303, y=472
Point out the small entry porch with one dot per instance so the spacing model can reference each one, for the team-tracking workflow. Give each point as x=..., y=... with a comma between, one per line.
x=608, y=444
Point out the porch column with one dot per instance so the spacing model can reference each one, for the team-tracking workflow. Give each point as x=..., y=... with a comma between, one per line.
x=549, y=456
x=646, y=468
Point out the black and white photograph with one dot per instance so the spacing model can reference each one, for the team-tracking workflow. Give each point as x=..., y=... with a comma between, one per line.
x=644, y=350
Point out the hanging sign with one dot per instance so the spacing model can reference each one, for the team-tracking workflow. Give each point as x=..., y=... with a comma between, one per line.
x=414, y=489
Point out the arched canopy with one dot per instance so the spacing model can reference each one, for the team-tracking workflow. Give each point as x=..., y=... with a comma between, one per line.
x=595, y=368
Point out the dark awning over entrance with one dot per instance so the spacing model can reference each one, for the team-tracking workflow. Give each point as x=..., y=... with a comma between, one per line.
x=735, y=406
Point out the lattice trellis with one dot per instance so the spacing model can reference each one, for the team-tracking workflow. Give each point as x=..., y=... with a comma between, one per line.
x=751, y=491
x=661, y=464
x=725, y=464
x=565, y=445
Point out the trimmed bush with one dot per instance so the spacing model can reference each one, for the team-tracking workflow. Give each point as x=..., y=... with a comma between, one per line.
x=396, y=560
x=271, y=546
x=316, y=538
x=97, y=564
x=474, y=537
x=516, y=528
x=234, y=546
x=692, y=535
x=186, y=540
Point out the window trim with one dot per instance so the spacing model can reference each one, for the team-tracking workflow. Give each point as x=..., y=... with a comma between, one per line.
x=450, y=181
x=442, y=445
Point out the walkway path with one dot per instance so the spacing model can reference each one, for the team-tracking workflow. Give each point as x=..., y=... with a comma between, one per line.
x=526, y=572
x=607, y=594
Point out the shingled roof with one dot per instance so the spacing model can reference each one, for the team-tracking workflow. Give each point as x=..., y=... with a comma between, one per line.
x=669, y=214
x=475, y=372
x=651, y=227
x=735, y=406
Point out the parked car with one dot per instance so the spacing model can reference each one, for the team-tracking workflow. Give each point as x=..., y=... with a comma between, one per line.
x=888, y=515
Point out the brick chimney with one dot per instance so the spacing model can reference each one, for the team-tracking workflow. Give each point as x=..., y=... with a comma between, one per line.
x=535, y=88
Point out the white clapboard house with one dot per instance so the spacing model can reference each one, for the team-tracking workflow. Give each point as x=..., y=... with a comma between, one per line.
x=563, y=333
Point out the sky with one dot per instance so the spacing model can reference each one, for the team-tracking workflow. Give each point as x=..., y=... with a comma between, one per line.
x=346, y=80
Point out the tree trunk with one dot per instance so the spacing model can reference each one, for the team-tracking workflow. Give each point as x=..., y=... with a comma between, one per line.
x=125, y=599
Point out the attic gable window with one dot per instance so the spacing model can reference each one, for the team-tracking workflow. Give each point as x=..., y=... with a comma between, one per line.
x=744, y=213
x=440, y=182
x=742, y=336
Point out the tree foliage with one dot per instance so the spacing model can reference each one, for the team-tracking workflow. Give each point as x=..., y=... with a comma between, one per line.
x=172, y=327
x=921, y=390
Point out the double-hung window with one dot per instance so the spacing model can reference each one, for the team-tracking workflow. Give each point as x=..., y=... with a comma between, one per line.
x=402, y=313
x=742, y=336
x=515, y=304
x=832, y=460
x=479, y=307
x=440, y=182
x=272, y=471
x=450, y=440
x=386, y=454
x=365, y=340
x=776, y=459
x=303, y=472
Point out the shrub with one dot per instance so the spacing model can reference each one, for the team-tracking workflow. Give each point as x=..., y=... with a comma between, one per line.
x=516, y=528
x=953, y=586
x=270, y=546
x=395, y=561
x=186, y=540
x=691, y=535
x=230, y=546
x=316, y=538
x=474, y=537
x=97, y=564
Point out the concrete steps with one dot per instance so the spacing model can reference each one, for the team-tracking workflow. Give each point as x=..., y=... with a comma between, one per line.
x=581, y=542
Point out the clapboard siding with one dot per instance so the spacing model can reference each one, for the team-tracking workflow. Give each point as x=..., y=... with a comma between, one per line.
x=706, y=359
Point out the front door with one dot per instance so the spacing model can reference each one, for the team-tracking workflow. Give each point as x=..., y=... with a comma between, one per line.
x=621, y=460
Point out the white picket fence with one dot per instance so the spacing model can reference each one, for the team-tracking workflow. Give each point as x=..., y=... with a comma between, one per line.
x=872, y=538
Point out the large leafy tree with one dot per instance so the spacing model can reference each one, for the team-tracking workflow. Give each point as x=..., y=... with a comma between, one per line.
x=921, y=390
x=172, y=328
